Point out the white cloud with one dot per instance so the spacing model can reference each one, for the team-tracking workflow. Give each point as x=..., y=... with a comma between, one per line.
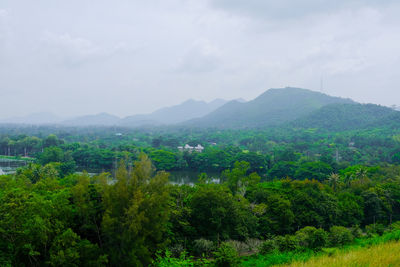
x=135, y=56
x=292, y=10
x=74, y=51
x=202, y=56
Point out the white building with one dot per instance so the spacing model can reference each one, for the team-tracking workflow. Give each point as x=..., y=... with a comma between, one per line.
x=199, y=148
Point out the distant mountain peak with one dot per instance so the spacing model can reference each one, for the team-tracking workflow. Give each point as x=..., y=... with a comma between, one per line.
x=273, y=107
x=43, y=117
x=187, y=110
x=99, y=119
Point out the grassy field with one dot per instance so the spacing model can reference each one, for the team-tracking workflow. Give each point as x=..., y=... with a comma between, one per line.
x=381, y=255
x=16, y=158
x=374, y=251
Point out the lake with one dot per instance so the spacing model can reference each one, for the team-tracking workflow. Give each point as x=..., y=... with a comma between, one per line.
x=8, y=166
x=190, y=177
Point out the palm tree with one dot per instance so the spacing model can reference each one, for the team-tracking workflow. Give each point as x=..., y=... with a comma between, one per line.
x=333, y=180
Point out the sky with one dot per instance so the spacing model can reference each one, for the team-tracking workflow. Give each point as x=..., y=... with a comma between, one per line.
x=126, y=57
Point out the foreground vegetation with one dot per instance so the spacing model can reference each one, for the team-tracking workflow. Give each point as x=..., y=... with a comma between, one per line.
x=283, y=195
x=381, y=255
x=362, y=250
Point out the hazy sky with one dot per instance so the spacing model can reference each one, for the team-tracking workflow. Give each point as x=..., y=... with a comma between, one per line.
x=126, y=56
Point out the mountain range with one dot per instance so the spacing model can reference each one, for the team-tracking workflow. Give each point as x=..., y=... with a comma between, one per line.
x=187, y=110
x=293, y=107
x=273, y=107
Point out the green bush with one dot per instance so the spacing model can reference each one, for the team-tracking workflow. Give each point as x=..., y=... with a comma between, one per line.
x=177, y=250
x=356, y=231
x=340, y=236
x=183, y=261
x=240, y=247
x=226, y=256
x=203, y=247
x=287, y=243
x=268, y=246
x=254, y=244
x=395, y=225
x=312, y=238
x=376, y=228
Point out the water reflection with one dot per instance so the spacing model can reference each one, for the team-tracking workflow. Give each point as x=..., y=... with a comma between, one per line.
x=190, y=177
x=8, y=166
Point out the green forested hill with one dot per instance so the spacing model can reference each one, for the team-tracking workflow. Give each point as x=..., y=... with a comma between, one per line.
x=342, y=117
x=274, y=107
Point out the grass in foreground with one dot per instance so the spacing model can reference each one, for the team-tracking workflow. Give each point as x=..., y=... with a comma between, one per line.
x=359, y=246
x=16, y=158
x=384, y=255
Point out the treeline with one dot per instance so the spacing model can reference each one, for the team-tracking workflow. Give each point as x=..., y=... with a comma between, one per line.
x=83, y=221
x=275, y=153
x=77, y=220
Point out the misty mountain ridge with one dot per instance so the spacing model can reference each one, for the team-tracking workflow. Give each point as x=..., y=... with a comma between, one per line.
x=286, y=107
x=174, y=114
x=273, y=107
x=165, y=116
x=343, y=117
x=34, y=118
x=103, y=119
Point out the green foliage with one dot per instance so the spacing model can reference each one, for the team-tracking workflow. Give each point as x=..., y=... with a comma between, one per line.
x=287, y=243
x=238, y=180
x=69, y=250
x=341, y=178
x=312, y=238
x=282, y=169
x=226, y=256
x=163, y=160
x=313, y=170
x=340, y=117
x=273, y=107
x=185, y=261
x=51, y=154
x=203, y=247
x=136, y=213
x=340, y=236
x=278, y=258
x=217, y=214
x=375, y=229
x=268, y=246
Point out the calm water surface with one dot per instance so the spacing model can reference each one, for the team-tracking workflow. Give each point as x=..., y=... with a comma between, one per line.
x=8, y=166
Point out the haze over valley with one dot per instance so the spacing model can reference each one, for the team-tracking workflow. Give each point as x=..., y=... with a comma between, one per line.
x=216, y=133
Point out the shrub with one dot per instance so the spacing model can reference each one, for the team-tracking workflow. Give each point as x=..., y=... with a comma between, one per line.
x=203, y=247
x=183, y=261
x=340, y=236
x=331, y=251
x=376, y=228
x=254, y=244
x=286, y=243
x=177, y=250
x=356, y=231
x=268, y=246
x=226, y=256
x=240, y=247
x=395, y=225
x=311, y=237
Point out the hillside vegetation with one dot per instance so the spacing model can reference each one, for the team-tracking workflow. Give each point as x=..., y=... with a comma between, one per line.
x=381, y=255
x=341, y=117
x=273, y=107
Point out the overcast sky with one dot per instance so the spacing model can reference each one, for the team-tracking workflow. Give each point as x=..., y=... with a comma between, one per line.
x=126, y=57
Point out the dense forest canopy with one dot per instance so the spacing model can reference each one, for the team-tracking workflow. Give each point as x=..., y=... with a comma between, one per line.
x=272, y=183
x=103, y=196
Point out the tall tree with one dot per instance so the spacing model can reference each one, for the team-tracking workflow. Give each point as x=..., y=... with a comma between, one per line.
x=136, y=214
